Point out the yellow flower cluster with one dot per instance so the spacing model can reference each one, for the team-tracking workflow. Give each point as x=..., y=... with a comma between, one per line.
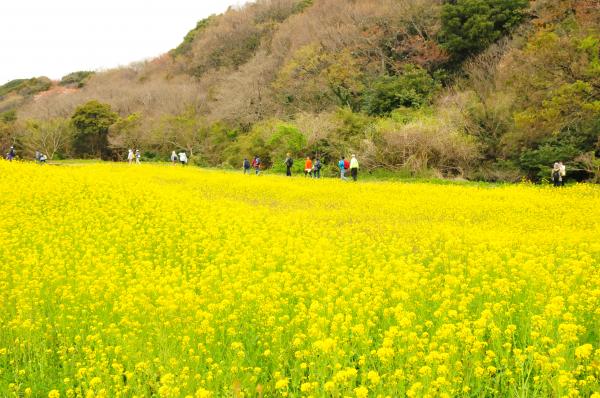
x=124, y=281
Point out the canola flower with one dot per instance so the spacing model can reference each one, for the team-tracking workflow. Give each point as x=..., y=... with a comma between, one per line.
x=155, y=281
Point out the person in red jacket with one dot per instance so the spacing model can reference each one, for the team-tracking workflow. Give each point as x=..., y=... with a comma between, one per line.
x=308, y=168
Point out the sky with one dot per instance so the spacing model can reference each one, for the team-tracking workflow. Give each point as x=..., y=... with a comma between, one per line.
x=55, y=37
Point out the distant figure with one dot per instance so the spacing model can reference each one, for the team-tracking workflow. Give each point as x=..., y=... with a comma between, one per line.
x=256, y=165
x=563, y=173
x=246, y=166
x=11, y=154
x=37, y=156
x=556, y=178
x=354, y=167
x=289, y=162
x=174, y=157
x=130, y=156
x=308, y=167
x=342, y=166
x=43, y=158
x=183, y=159
x=317, y=168
x=138, y=156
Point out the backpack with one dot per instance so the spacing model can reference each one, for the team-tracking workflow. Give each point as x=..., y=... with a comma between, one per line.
x=246, y=164
x=346, y=164
x=289, y=162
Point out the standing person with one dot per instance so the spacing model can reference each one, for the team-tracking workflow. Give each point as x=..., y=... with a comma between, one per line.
x=308, y=167
x=563, y=173
x=317, y=168
x=138, y=156
x=289, y=162
x=183, y=159
x=342, y=166
x=11, y=154
x=43, y=158
x=130, y=156
x=246, y=166
x=174, y=157
x=556, y=175
x=37, y=156
x=256, y=164
x=354, y=167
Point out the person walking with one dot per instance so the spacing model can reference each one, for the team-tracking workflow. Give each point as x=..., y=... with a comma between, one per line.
x=138, y=156
x=289, y=162
x=256, y=165
x=556, y=179
x=317, y=168
x=130, y=155
x=246, y=166
x=342, y=166
x=11, y=154
x=308, y=167
x=183, y=159
x=174, y=157
x=563, y=173
x=354, y=167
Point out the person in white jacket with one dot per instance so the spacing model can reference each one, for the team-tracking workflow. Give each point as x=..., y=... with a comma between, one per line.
x=354, y=167
x=130, y=156
x=183, y=159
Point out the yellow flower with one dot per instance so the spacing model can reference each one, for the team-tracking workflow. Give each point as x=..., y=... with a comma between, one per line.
x=281, y=384
x=361, y=392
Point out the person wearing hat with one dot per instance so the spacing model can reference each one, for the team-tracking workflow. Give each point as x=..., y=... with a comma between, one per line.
x=354, y=167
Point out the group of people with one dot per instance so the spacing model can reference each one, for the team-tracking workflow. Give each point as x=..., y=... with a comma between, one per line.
x=180, y=157
x=559, y=173
x=256, y=165
x=131, y=155
x=312, y=168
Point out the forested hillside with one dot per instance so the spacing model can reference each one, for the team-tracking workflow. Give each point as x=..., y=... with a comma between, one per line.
x=481, y=89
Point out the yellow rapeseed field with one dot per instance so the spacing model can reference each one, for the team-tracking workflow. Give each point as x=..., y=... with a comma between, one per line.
x=160, y=281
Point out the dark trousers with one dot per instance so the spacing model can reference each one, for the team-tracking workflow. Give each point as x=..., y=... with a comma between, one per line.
x=354, y=173
x=317, y=173
x=288, y=171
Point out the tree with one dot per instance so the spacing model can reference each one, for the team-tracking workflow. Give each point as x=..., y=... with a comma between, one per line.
x=126, y=132
x=92, y=121
x=411, y=89
x=469, y=26
x=51, y=137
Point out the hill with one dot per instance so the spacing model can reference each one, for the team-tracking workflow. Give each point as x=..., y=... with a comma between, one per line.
x=482, y=89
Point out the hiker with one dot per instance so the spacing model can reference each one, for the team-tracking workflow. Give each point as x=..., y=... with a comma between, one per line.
x=308, y=167
x=174, y=157
x=246, y=166
x=563, y=173
x=138, y=156
x=556, y=178
x=256, y=165
x=289, y=162
x=342, y=166
x=11, y=154
x=354, y=167
x=43, y=158
x=317, y=168
x=130, y=155
x=183, y=159
x=37, y=156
